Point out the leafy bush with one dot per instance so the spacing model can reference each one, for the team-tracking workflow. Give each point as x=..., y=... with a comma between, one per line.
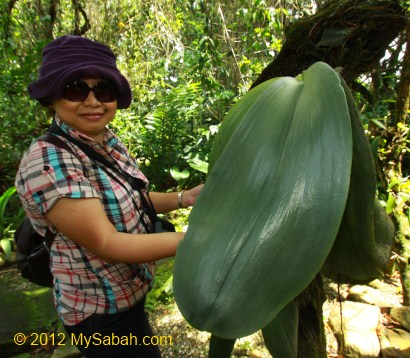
x=10, y=216
x=171, y=139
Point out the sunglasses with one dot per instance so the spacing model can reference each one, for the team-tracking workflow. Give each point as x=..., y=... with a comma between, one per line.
x=78, y=91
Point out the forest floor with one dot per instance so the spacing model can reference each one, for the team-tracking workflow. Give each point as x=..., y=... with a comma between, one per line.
x=179, y=339
x=189, y=342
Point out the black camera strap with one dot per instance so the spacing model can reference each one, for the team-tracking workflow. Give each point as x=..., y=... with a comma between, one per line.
x=49, y=138
x=115, y=170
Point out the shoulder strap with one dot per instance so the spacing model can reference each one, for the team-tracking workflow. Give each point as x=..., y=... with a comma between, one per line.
x=99, y=158
x=49, y=138
x=104, y=162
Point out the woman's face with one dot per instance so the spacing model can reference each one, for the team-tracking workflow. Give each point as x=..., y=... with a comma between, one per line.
x=89, y=116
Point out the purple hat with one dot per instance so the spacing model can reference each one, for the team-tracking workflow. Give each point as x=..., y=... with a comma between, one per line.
x=71, y=57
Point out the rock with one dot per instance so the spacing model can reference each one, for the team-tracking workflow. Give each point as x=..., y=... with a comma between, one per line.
x=369, y=295
x=391, y=289
x=331, y=341
x=402, y=316
x=395, y=343
x=256, y=354
x=357, y=330
x=377, y=284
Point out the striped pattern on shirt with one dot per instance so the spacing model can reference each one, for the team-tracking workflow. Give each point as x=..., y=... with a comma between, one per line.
x=83, y=283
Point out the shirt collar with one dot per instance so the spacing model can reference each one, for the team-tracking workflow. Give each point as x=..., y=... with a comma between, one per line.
x=112, y=146
x=110, y=140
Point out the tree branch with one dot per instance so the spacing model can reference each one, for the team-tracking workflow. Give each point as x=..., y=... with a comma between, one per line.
x=79, y=10
x=229, y=42
x=352, y=34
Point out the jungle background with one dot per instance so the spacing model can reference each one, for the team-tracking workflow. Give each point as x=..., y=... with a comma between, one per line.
x=187, y=63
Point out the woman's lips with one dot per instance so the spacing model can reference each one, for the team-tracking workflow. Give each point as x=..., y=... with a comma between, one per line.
x=92, y=116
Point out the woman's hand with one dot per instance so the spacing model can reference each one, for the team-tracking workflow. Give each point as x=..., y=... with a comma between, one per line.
x=166, y=202
x=189, y=196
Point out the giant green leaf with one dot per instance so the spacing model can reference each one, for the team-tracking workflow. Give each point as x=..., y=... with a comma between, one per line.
x=271, y=206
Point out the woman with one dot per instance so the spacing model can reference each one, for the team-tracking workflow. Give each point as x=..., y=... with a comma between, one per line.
x=103, y=253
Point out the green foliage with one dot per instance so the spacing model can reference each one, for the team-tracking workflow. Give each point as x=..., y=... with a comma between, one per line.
x=162, y=291
x=4, y=199
x=19, y=116
x=389, y=138
x=187, y=62
x=8, y=220
x=169, y=137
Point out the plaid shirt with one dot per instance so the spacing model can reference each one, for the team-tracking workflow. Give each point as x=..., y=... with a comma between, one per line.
x=83, y=283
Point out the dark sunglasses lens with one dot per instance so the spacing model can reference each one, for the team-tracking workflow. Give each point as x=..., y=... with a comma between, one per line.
x=105, y=92
x=76, y=91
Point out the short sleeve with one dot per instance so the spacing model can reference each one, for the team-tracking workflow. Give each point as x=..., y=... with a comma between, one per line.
x=47, y=174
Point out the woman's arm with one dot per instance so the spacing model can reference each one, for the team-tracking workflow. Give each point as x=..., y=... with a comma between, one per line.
x=166, y=202
x=85, y=222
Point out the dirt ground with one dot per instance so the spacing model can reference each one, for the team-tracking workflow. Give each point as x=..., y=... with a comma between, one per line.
x=189, y=342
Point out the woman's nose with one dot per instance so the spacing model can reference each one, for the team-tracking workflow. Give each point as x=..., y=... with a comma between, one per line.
x=91, y=100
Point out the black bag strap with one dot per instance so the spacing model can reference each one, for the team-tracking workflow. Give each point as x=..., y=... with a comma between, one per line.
x=103, y=162
x=49, y=138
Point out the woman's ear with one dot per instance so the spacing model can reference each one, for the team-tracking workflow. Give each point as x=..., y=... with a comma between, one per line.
x=51, y=111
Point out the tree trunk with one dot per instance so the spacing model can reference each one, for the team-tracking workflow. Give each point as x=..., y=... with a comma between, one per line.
x=354, y=35
x=311, y=332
